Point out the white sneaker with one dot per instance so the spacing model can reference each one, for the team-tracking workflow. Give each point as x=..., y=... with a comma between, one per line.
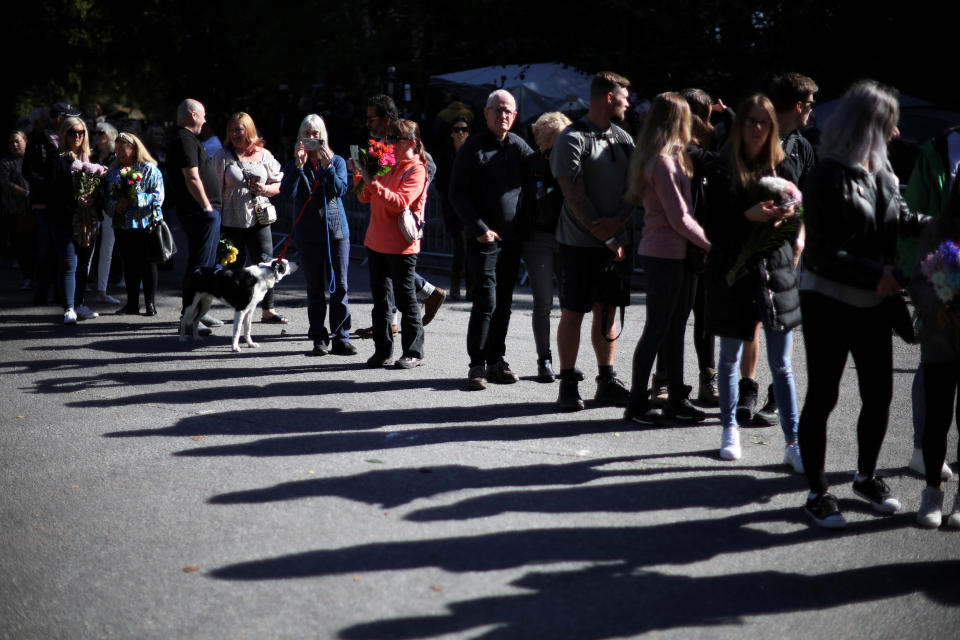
x=791, y=457
x=954, y=519
x=85, y=313
x=70, y=316
x=730, y=444
x=930, y=514
x=916, y=464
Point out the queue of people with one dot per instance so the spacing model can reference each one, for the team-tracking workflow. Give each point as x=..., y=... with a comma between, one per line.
x=724, y=226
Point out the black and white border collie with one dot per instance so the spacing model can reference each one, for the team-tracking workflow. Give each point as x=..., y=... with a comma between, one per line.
x=242, y=289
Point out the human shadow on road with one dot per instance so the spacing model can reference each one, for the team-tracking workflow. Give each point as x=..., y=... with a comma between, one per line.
x=296, y=387
x=681, y=542
x=271, y=421
x=627, y=603
x=391, y=488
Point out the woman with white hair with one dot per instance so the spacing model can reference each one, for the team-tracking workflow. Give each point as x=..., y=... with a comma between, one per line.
x=316, y=180
x=850, y=290
x=540, y=249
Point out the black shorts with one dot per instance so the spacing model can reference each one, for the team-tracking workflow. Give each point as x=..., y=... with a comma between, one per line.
x=589, y=275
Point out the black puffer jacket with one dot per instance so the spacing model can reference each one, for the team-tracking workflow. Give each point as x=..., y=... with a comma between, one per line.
x=768, y=292
x=853, y=223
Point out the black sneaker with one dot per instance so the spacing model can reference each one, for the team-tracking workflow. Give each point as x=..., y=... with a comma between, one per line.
x=877, y=493
x=343, y=348
x=611, y=390
x=767, y=416
x=684, y=411
x=319, y=349
x=569, y=398
x=747, y=401
x=650, y=417
x=825, y=512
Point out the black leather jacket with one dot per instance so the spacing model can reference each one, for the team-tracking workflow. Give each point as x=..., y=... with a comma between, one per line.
x=853, y=220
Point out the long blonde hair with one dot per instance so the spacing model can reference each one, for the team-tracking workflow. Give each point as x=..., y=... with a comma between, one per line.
x=140, y=151
x=66, y=126
x=746, y=172
x=665, y=132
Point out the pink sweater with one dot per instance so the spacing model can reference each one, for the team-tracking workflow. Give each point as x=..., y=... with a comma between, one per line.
x=388, y=196
x=668, y=221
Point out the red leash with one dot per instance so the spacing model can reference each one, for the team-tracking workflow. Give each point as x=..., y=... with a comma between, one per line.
x=286, y=244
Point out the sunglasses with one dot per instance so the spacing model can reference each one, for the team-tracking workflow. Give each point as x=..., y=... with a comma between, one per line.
x=460, y=129
x=79, y=133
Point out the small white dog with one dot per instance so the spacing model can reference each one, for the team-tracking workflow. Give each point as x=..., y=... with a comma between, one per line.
x=242, y=289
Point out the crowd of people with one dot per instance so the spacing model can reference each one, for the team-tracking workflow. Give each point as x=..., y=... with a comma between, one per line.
x=718, y=216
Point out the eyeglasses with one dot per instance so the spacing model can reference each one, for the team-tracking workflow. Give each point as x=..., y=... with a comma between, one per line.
x=77, y=133
x=460, y=129
x=752, y=123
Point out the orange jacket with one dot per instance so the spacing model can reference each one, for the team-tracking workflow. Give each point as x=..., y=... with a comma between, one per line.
x=388, y=196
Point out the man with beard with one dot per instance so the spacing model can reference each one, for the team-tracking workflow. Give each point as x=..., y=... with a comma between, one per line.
x=590, y=160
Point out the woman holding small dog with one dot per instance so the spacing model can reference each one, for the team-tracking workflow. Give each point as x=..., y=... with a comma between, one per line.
x=133, y=216
x=249, y=175
x=392, y=257
x=316, y=179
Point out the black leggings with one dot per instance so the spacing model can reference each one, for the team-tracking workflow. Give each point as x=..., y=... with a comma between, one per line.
x=940, y=380
x=831, y=330
x=255, y=242
x=132, y=244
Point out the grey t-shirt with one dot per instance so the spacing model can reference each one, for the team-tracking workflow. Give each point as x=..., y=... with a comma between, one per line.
x=601, y=159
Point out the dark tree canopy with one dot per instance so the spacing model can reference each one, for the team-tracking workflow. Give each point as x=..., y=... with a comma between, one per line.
x=233, y=55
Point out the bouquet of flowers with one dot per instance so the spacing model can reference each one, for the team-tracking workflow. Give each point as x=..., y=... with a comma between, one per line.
x=226, y=252
x=130, y=179
x=86, y=178
x=942, y=269
x=377, y=160
x=767, y=237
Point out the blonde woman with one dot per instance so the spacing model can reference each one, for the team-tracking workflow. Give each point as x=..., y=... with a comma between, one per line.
x=132, y=217
x=73, y=258
x=249, y=175
x=540, y=248
x=660, y=180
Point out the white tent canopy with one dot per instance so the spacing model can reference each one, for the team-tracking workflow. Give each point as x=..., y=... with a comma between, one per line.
x=548, y=86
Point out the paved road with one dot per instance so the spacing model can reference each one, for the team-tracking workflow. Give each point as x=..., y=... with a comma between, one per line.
x=153, y=489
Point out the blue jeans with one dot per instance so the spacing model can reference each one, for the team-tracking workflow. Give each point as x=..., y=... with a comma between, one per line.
x=778, y=357
x=203, y=234
x=316, y=267
x=73, y=264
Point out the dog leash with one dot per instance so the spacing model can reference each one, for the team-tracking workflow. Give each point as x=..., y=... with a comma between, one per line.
x=332, y=287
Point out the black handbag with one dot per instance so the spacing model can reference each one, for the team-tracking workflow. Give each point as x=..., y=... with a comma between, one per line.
x=896, y=311
x=160, y=244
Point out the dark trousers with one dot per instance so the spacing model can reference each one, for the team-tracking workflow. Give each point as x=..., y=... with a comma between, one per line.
x=395, y=272
x=495, y=267
x=940, y=380
x=670, y=291
x=703, y=341
x=315, y=262
x=203, y=234
x=73, y=262
x=831, y=330
x=132, y=244
x=45, y=268
x=253, y=242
